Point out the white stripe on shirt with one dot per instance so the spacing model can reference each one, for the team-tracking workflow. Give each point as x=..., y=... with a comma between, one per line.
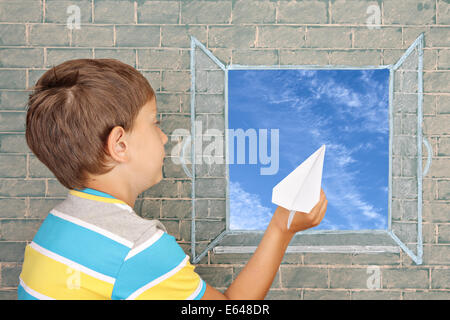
x=153, y=283
x=92, y=227
x=71, y=263
x=145, y=245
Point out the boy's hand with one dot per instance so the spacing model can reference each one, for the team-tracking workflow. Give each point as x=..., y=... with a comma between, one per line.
x=301, y=220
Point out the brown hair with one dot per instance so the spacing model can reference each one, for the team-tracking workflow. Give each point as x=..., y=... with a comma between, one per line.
x=73, y=108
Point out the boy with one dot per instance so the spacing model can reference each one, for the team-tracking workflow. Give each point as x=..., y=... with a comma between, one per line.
x=93, y=123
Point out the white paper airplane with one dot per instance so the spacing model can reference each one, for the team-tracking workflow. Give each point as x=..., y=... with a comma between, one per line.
x=300, y=190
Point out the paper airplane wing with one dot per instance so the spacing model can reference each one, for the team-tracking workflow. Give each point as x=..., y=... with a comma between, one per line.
x=300, y=190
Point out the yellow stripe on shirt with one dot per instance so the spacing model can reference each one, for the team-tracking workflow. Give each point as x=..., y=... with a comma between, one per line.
x=59, y=281
x=178, y=287
x=96, y=198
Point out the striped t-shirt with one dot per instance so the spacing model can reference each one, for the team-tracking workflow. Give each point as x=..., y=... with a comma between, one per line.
x=94, y=246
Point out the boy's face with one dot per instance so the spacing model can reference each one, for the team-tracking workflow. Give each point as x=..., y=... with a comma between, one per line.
x=147, y=147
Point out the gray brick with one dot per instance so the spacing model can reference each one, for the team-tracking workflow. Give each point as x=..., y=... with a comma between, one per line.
x=436, y=254
x=127, y=56
x=20, y=11
x=22, y=188
x=176, y=81
x=327, y=258
x=216, y=276
x=439, y=168
x=253, y=12
x=40, y=208
x=302, y=12
x=161, y=59
x=205, y=12
x=328, y=37
x=434, y=36
x=444, y=233
x=56, y=189
x=283, y=294
x=232, y=36
x=56, y=10
x=19, y=229
x=13, y=100
x=435, y=125
x=38, y=169
x=154, y=78
x=168, y=102
x=411, y=12
x=185, y=188
x=8, y=294
x=180, y=36
x=12, y=251
x=443, y=12
x=12, y=121
x=33, y=76
x=351, y=11
x=436, y=81
x=404, y=188
x=376, y=295
x=108, y=11
x=171, y=122
x=23, y=57
x=12, y=208
x=12, y=34
x=12, y=79
x=13, y=143
x=385, y=37
x=137, y=36
x=209, y=103
x=303, y=56
x=12, y=166
x=444, y=59
x=405, y=278
x=426, y=295
x=255, y=57
x=281, y=37
x=10, y=274
x=444, y=146
x=49, y=35
x=349, y=278
x=149, y=209
x=163, y=12
x=443, y=104
x=90, y=36
x=355, y=57
x=303, y=277
x=172, y=170
x=210, y=188
x=176, y=208
x=440, y=278
x=326, y=295
x=57, y=55
x=164, y=189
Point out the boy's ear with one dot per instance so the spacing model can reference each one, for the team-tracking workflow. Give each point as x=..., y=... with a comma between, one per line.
x=117, y=144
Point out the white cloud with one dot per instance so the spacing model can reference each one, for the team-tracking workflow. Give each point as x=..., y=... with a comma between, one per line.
x=248, y=212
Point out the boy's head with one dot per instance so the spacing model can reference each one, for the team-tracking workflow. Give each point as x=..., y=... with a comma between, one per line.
x=88, y=117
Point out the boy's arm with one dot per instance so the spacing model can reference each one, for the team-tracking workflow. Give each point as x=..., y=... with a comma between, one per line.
x=254, y=281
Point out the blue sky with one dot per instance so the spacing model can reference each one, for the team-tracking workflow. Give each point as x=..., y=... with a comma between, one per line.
x=347, y=110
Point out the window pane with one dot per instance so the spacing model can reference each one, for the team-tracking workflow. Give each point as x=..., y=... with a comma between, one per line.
x=347, y=110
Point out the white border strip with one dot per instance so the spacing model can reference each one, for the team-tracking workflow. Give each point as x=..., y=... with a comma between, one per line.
x=145, y=244
x=92, y=227
x=313, y=249
x=71, y=263
x=153, y=283
x=32, y=292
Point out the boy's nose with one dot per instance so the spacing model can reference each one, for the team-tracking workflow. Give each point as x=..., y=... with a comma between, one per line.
x=164, y=137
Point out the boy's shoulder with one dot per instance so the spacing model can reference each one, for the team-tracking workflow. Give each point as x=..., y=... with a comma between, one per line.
x=114, y=220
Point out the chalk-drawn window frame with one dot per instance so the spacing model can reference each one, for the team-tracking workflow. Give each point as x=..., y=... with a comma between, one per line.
x=210, y=221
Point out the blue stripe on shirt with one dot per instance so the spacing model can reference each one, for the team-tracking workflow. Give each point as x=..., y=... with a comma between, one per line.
x=153, y=262
x=81, y=245
x=23, y=295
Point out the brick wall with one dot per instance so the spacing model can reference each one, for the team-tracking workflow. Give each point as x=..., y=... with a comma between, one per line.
x=153, y=36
